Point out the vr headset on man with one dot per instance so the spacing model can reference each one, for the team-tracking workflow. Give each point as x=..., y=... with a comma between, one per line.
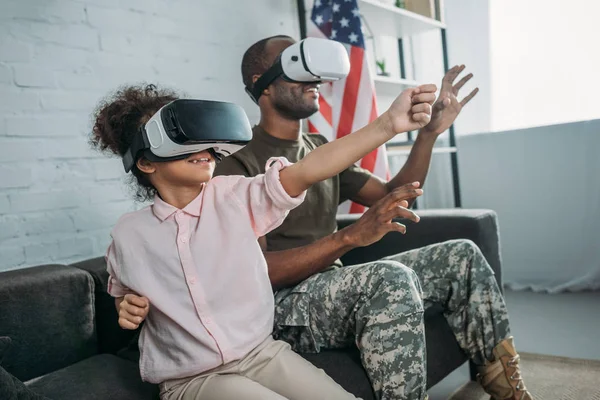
x=311, y=60
x=184, y=127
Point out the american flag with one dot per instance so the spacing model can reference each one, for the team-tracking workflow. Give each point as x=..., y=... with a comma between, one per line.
x=349, y=104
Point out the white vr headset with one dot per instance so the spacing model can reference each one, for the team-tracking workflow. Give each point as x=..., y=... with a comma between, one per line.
x=184, y=127
x=311, y=60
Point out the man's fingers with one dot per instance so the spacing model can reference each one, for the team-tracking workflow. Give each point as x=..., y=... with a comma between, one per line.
x=123, y=323
x=402, y=193
x=401, y=212
x=137, y=300
x=424, y=98
x=462, y=82
x=469, y=97
x=453, y=73
x=406, y=187
x=397, y=226
x=421, y=108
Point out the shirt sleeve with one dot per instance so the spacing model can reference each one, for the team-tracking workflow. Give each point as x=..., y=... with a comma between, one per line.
x=352, y=179
x=264, y=198
x=115, y=287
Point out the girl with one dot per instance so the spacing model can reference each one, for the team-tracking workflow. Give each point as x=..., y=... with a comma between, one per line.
x=194, y=254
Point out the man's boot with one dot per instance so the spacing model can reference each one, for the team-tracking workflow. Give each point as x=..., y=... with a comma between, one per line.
x=501, y=378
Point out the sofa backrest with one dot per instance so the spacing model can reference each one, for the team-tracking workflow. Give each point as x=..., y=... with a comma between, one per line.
x=48, y=312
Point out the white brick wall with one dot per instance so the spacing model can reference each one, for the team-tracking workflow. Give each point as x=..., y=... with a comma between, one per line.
x=58, y=58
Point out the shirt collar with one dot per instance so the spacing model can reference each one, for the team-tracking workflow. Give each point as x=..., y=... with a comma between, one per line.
x=164, y=210
x=259, y=133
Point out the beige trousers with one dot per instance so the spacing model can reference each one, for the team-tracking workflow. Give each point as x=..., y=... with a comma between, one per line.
x=272, y=371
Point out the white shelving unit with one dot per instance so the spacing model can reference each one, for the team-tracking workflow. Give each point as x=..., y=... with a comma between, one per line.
x=390, y=21
x=394, y=21
x=387, y=20
x=392, y=87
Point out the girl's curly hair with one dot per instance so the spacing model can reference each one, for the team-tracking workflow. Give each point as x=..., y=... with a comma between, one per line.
x=117, y=120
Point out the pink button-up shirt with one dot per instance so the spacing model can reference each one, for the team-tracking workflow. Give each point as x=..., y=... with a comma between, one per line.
x=203, y=272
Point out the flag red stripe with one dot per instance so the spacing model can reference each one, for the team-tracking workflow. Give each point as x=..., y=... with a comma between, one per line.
x=350, y=92
x=373, y=116
x=325, y=110
x=356, y=208
x=312, y=128
x=368, y=161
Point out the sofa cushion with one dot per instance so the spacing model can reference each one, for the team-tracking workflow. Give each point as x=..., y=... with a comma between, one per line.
x=4, y=344
x=13, y=389
x=345, y=368
x=444, y=354
x=101, y=377
x=48, y=312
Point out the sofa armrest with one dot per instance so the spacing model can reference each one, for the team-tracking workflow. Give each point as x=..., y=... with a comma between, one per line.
x=480, y=226
x=111, y=338
x=48, y=312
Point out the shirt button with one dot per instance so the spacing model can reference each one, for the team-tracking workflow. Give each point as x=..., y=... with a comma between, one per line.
x=208, y=321
x=192, y=280
x=183, y=239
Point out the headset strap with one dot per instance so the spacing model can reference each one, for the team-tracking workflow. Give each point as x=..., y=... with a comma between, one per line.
x=265, y=80
x=140, y=143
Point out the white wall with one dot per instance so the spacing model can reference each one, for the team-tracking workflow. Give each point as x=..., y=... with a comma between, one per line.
x=535, y=61
x=58, y=198
x=545, y=62
x=544, y=184
x=468, y=32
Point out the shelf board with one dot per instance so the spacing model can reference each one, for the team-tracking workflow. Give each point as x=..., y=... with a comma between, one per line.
x=387, y=20
x=386, y=86
x=404, y=150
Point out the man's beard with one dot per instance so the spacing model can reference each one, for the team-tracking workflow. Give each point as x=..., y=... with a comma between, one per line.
x=291, y=103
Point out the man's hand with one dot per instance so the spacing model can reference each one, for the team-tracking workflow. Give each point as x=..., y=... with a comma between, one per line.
x=411, y=110
x=132, y=311
x=447, y=107
x=378, y=220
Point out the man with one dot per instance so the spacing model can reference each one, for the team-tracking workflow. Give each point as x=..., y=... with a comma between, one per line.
x=379, y=306
x=321, y=307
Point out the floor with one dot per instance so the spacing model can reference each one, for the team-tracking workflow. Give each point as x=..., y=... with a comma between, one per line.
x=566, y=324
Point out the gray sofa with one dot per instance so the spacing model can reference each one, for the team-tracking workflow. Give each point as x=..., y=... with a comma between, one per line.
x=67, y=344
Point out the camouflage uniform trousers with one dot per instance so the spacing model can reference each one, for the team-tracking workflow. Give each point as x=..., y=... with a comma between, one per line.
x=379, y=307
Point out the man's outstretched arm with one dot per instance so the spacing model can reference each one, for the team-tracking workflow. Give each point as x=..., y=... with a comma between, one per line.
x=289, y=267
x=445, y=111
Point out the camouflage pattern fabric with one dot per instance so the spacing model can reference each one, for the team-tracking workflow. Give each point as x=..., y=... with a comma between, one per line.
x=379, y=307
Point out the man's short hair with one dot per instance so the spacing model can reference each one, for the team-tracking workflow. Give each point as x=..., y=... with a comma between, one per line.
x=255, y=60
